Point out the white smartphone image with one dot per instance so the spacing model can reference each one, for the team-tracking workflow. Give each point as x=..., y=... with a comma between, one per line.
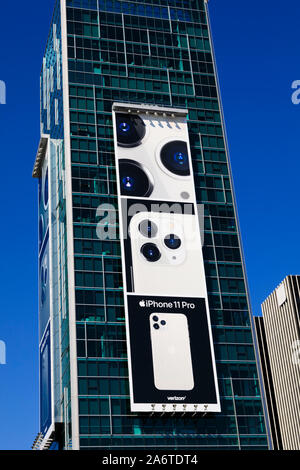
x=167, y=255
x=153, y=157
x=171, y=352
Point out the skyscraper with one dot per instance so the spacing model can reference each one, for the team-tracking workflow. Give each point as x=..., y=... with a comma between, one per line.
x=278, y=333
x=152, y=53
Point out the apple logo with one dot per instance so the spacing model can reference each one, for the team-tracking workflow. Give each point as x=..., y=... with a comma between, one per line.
x=142, y=303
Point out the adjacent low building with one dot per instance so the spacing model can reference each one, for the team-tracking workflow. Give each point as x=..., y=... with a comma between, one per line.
x=278, y=334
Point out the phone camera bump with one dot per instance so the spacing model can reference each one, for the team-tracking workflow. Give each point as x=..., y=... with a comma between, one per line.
x=174, y=157
x=131, y=130
x=134, y=180
x=151, y=252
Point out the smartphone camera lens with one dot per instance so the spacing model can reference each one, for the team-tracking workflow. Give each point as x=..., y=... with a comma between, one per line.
x=155, y=318
x=134, y=180
x=156, y=326
x=131, y=130
x=174, y=156
x=151, y=252
x=128, y=183
x=163, y=322
x=172, y=241
x=148, y=228
x=124, y=127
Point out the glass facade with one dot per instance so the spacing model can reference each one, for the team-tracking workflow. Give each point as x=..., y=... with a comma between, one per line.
x=155, y=52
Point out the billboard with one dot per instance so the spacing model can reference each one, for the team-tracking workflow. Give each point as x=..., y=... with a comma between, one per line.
x=44, y=299
x=169, y=340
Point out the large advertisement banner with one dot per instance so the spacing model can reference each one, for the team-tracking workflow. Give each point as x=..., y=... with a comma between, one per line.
x=44, y=300
x=169, y=340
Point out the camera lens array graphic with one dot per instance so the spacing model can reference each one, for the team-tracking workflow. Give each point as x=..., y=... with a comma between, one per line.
x=150, y=250
x=156, y=325
x=172, y=241
x=130, y=129
x=174, y=157
x=135, y=179
x=148, y=228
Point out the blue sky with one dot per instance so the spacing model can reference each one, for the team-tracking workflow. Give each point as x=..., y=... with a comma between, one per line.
x=258, y=59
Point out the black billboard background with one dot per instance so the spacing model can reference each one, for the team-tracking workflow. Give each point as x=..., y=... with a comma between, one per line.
x=144, y=390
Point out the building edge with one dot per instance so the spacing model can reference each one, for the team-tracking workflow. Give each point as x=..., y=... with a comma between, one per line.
x=70, y=239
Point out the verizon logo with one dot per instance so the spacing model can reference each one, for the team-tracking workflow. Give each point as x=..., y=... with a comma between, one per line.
x=176, y=398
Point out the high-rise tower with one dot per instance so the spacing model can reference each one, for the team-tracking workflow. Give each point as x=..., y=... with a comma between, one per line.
x=153, y=53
